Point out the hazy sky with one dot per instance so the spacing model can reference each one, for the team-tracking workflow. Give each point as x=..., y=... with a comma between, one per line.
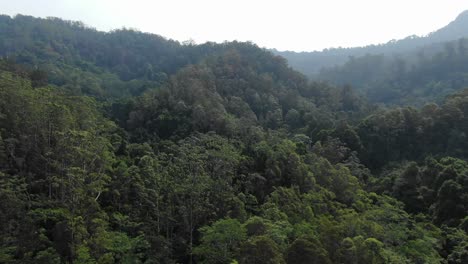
x=281, y=24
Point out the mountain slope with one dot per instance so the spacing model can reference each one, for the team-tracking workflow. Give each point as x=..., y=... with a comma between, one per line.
x=125, y=61
x=125, y=147
x=454, y=30
x=310, y=63
x=415, y=79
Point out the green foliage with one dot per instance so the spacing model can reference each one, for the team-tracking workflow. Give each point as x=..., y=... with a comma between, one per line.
x=317, y=63
x=221, y=241
x=213, y=153
x=422, y=75
x=260, y=249
x=306, y=251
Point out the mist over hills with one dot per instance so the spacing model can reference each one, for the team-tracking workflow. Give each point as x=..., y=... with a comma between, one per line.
x=310, y=63
x=411, y=71
x=127, y=147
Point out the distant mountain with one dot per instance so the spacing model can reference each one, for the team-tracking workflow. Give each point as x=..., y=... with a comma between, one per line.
x=127, y=147
x=310, y=63
x=420, y=76
x=456, y=29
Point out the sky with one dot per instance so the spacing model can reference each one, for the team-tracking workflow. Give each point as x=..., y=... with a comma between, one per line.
x=297, y=25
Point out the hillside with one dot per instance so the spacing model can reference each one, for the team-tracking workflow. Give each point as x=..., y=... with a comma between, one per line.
x=310, y=63
x=103, y=64
x=127, y=147
x=415, y=79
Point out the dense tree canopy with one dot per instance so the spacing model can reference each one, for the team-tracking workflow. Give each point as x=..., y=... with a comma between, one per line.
x=125, y=147
x=425, y=75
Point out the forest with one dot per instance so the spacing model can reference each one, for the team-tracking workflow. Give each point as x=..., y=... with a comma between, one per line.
x=127, y=147
x=311, y=63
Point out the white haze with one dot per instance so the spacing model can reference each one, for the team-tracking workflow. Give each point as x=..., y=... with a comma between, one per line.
x=284, y=25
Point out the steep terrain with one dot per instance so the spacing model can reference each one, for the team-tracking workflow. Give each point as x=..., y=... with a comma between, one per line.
x=415, y=79
x=310, y=63
x=126, y=147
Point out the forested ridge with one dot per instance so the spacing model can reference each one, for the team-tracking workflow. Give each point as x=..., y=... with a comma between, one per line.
x=311, y=63
x=126, y=147
x=423, y=76
x=411, y=71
